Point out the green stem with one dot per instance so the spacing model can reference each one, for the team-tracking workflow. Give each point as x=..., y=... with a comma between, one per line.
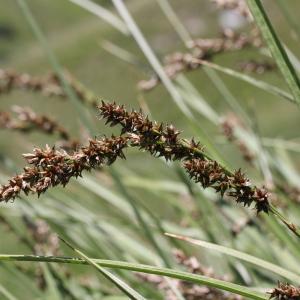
x=194, y=278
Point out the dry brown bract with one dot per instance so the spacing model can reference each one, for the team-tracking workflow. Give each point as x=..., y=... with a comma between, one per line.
x=285, y=291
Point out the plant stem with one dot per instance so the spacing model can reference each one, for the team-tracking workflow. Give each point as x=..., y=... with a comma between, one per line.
x=197, y=279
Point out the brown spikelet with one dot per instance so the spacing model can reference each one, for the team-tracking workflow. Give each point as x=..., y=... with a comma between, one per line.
x=50, y=167
x=163, y=140
x=285, y=291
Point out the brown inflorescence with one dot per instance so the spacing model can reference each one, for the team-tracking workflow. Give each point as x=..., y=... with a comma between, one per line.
x=189, y=290
x=48, y=85
x=163, y=140
x=203, y=49
x=27, y=120
x=51, y=167
x=285, y=291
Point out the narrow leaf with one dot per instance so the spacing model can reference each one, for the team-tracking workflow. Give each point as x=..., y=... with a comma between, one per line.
x=277, y=50
x=242, y=256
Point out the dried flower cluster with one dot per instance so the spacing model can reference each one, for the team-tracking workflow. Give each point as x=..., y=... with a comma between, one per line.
x=189, y=290
x=253, y=66
x=162, y=140
x=285, y=291
x=50, y=167
x=240, y=6
x=27, y=120
x=48, y=85
x=228, y=125
x=203, y=49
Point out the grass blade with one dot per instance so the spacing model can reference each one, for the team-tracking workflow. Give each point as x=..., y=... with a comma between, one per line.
x=197, y=279
x=275, y=47
x=127, y=290
x=102, y=13
x=242, y=256
x=258, y=83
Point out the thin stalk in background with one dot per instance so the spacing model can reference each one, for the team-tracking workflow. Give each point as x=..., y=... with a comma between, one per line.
x=274, y=44
x=55, y=64
x=143, y=44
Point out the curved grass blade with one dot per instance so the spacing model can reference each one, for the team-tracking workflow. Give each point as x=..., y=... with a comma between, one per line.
x=197, y=279
x=258, y=83
x=127, y=290
x=276, y=48
x=242, y=256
